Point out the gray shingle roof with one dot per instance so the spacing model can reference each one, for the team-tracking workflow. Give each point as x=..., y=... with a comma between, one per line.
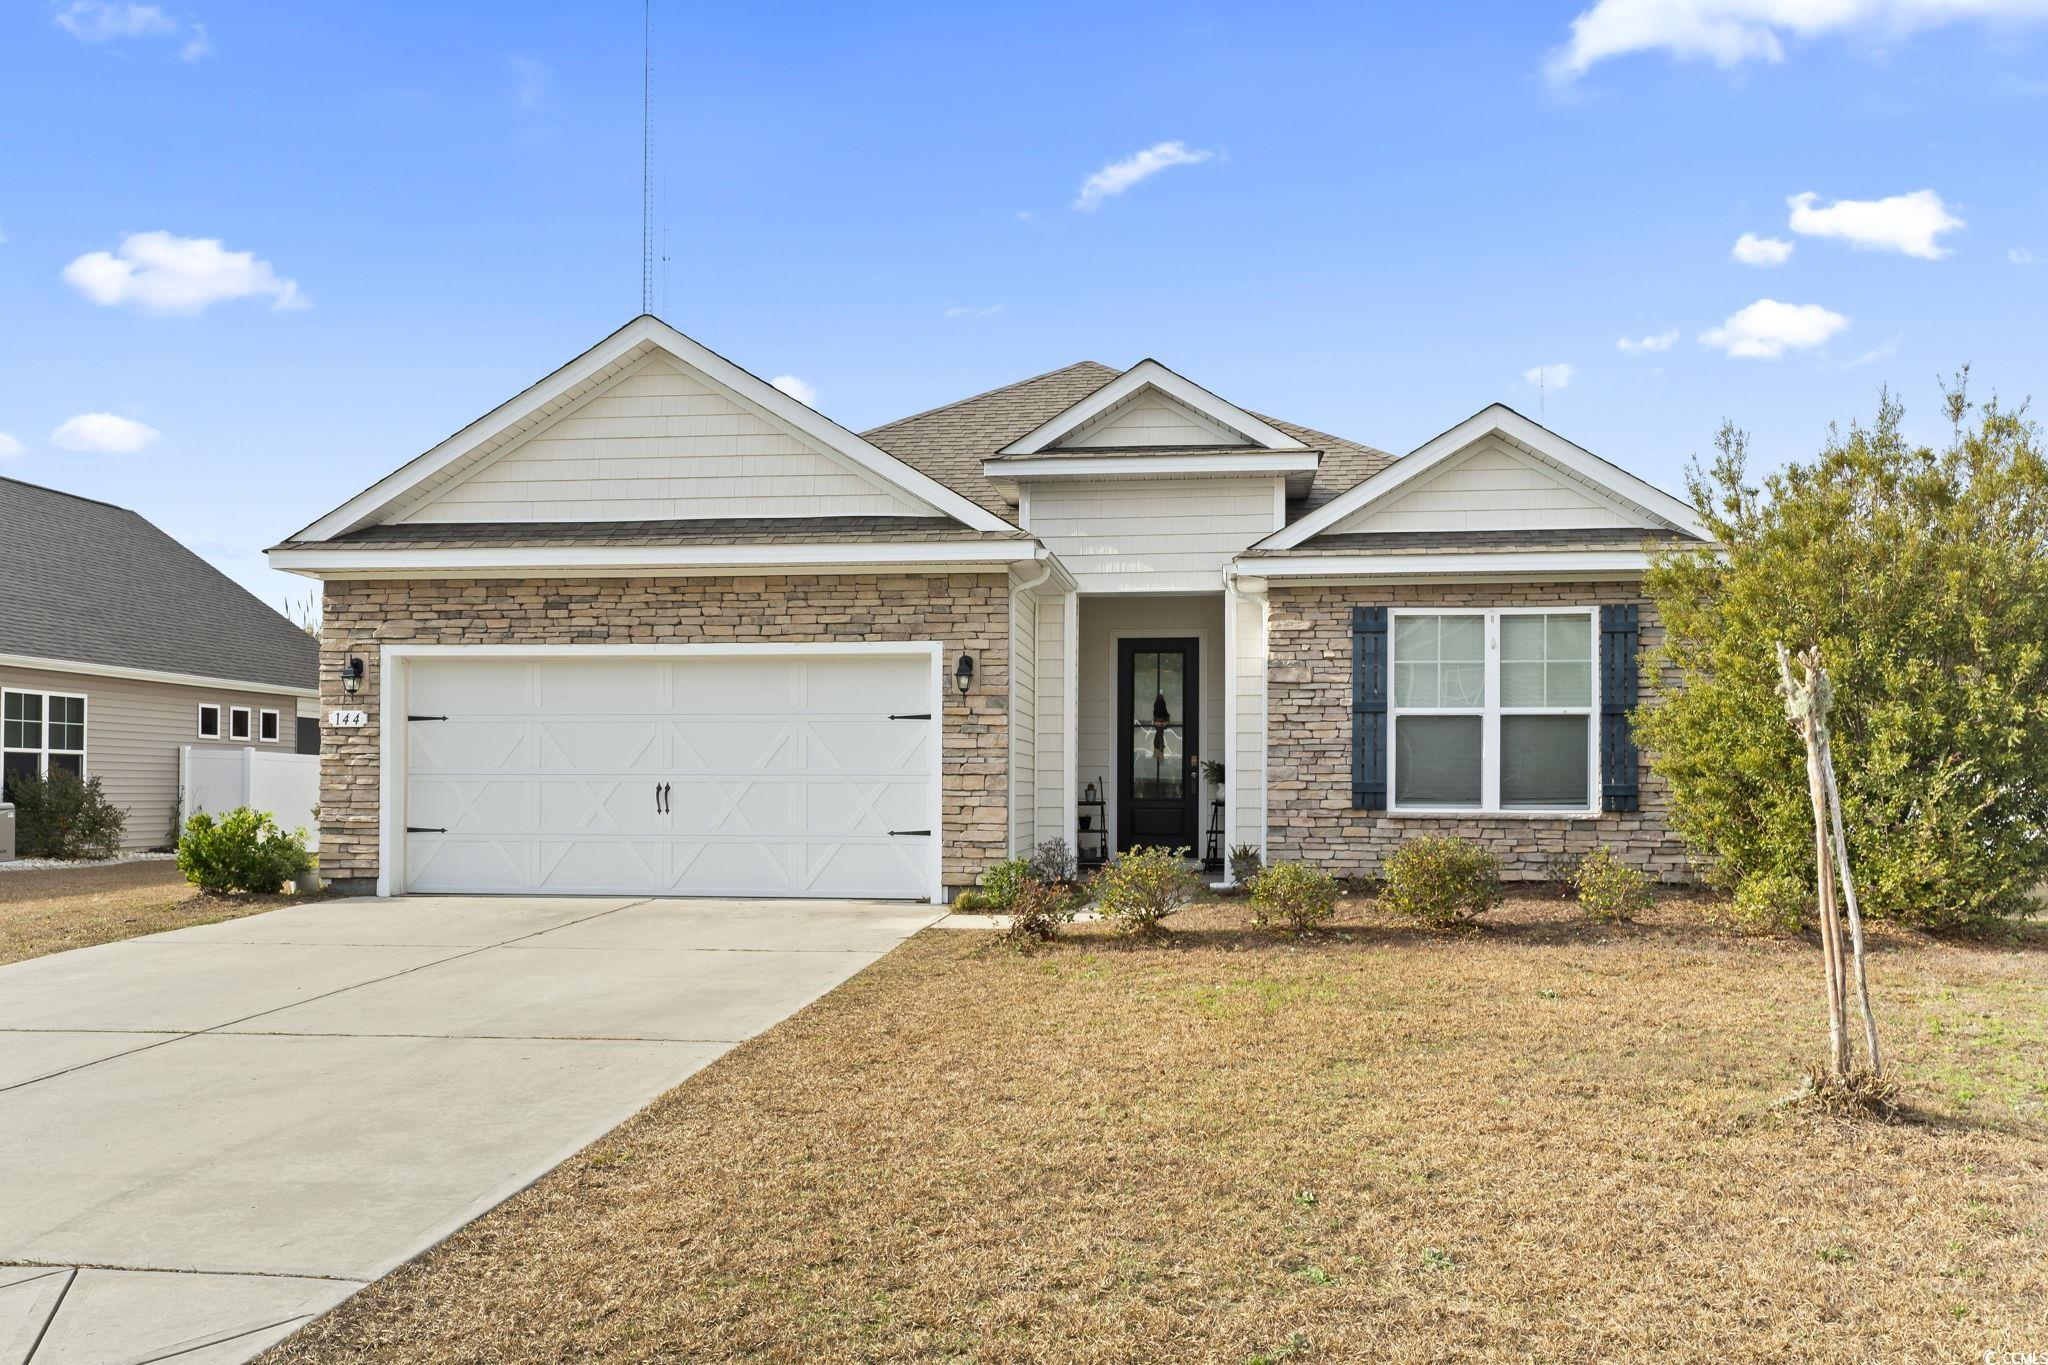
x=88, y=582
x=950, y=443
x=716, y=531
x=1405, y=542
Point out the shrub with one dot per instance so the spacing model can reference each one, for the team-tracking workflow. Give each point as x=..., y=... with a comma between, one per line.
x=1292, y=897
x=244, y=850
x=1039, y=911
x=1141, y=887
x=1052, y=861
x=1609, y=889
x=973, y=902
x=1002, y=882
x=61, y=816
x=1245, y=861
x=1444, y=881
x=1768, y=904
x=1922, y=577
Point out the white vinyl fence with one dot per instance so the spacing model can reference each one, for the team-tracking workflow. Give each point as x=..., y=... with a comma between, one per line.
x=215, y=780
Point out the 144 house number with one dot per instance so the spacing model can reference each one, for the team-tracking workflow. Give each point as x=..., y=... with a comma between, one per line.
x=348, y=720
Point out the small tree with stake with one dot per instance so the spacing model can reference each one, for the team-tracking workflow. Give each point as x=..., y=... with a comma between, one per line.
x=1808, y=698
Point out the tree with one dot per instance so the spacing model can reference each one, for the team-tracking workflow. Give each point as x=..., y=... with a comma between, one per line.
x=1921, y=577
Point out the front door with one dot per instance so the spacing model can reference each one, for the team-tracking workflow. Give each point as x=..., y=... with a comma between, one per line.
x=1158, y=780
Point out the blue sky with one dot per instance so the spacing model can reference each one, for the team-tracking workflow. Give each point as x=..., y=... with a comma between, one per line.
x=1373, y=221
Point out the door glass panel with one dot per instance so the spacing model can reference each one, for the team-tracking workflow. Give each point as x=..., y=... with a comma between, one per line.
x=1543, y=762
x=1436, y=760
x=1158, y=725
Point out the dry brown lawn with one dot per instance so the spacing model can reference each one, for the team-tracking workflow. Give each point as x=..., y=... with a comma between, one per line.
x=51, y=909
x=1541, y=1141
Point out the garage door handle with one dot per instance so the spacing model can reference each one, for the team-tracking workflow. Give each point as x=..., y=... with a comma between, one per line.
x=426, y=717
x=910, y=831
x=912, y=715
x=425, y=829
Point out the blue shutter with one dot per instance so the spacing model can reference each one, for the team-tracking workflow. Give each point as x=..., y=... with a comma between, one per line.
x=1620, y=642
x=1368, y=708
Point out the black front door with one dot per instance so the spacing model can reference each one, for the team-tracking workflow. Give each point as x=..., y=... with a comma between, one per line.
x=1158, y=782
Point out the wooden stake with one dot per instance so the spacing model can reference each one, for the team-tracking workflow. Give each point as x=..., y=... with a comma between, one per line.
x=1827, y=767
x=1800, y=707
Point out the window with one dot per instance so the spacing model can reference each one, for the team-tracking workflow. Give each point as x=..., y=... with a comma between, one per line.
x=238, y=722
x=1493, y=710
x=41, y=733
x=209, y=721
x=266, y=726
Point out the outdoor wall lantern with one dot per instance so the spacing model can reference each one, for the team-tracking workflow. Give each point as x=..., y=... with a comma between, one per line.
x=352, y=674
x=963, y=673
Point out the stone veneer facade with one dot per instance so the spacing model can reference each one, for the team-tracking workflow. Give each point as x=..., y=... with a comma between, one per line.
x=1309, y=814
x=964, y=612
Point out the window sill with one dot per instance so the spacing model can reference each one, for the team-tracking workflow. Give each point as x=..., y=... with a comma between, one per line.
x=1473, y=813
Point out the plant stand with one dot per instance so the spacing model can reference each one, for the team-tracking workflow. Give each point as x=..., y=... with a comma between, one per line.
x=1212, y=849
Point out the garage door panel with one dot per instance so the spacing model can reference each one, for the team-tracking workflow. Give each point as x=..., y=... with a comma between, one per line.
x=783, y=775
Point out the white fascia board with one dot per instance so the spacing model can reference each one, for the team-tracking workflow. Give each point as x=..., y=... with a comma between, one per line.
x=365, y=506
x=153, y=675
x=1152, y=373
x=1504, y=421
x=317, y=561
x=1553, y=564
x=1152, y=466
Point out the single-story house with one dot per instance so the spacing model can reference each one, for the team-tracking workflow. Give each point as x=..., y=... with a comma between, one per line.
x=118, y=646
x=653, y=626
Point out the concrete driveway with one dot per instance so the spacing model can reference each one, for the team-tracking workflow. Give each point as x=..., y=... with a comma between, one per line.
x=207, y=1137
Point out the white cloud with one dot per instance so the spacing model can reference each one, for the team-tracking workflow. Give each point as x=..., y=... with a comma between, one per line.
x=1660, y=341
x=197, y=46
x=1119, y=176
x=966, y=311
x=1767, y=329
x=533, y=82
x=1730, y=32
x=1558, y=376
x=103, y=432
x=10, y=445
x=2019, y=255
x=97, y=21
x=1751, y=249
x=160, y=273
x=797, y=389
x=1906, y=223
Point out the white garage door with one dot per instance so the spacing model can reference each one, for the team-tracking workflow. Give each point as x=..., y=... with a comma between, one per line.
x=757, y=775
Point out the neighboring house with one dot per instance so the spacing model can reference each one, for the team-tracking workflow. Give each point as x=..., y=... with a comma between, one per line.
x=118, y=645
x=654, y=627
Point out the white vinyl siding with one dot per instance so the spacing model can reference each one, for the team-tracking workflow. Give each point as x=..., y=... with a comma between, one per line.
x=1053, y=722
x=1495, y=487
x=1151, y=535
x=1248, y=757
x=660, y=443
x=1149, y=418
x=134, y=729
x=1024, y=609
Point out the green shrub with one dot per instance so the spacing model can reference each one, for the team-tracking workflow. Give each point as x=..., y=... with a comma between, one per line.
x=1139, y=888
x=1609, y=889
x=60, y=816
x=973, y=901
x=1921, y=574
x=244, y=850
x=1768, y=903
x=1292, y=898
x=1443, y=881
x=1052, y=861
x=1039, y=911
x=1002, y=882
x=1245, y=861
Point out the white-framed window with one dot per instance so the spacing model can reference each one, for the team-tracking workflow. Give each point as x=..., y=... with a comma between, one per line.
x=266, y=726
x=238, y=722
x=1494, y=710
x=209, y=720
x=41, y=733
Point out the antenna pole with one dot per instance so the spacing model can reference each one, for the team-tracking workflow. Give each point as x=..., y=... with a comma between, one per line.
x=646, y=155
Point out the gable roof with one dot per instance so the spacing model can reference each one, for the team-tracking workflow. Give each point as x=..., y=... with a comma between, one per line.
x=1150, y=374
x=1659, y=509
x=952, y=443
x=87, y=582
x=545, y=400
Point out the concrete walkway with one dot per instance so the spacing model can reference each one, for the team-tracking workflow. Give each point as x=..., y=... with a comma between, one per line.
x=207, y=1137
